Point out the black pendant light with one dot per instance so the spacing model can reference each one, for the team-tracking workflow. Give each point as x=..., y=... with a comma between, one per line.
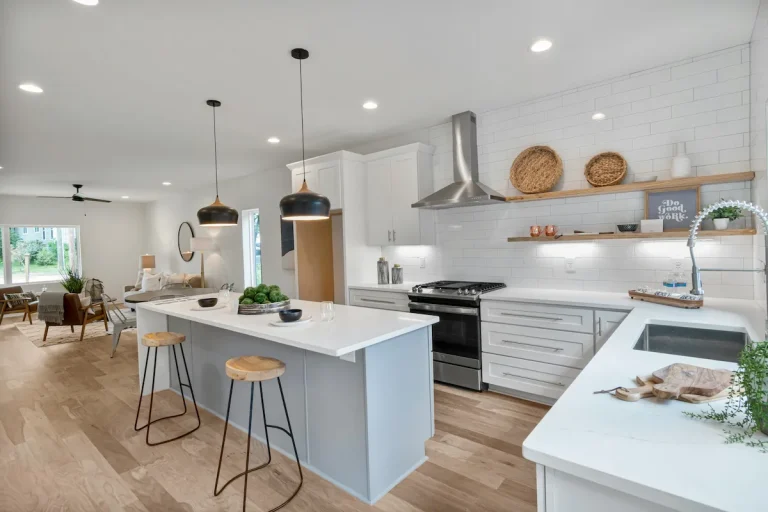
x=216, y=214
x=304, y=204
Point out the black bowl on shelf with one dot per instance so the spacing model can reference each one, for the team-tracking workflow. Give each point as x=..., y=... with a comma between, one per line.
x=627, y=228
x=289, y=315
x=207, y=302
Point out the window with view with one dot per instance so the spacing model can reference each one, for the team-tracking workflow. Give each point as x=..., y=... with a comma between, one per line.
x=252, y=247
x=35, y=254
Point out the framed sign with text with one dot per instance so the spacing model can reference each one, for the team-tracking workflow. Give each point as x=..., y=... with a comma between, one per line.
x=677, y=207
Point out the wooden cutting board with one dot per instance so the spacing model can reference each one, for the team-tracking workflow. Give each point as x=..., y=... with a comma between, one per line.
x=685, y=379
x=645, y=390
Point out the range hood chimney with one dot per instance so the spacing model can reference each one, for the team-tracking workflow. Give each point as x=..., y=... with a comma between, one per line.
x=466, y=190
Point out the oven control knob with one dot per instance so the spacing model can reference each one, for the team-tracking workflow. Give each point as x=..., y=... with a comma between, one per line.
x=462, y=291
x=418, y=289
x=473, y=291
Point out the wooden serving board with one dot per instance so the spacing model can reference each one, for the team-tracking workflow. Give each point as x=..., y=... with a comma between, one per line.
x=686, y=379
x=645, y=390
x=666, y=301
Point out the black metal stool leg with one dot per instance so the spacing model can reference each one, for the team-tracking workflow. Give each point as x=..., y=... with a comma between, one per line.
x=295, y=451
x=248, y=450
x=216, y=490
x=150, y=421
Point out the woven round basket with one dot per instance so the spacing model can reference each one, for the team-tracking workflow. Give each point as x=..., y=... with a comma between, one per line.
x=536, y=169
x=605, y=169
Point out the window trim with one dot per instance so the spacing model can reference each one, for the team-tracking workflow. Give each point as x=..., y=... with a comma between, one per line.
x=7, y=270
x=248, y=242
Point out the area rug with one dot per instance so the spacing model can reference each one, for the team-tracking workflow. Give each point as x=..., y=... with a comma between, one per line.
x=58, y=335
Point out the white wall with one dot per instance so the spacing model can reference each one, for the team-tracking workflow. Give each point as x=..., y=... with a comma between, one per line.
x=703, y=101
x=112, y=235
x=758, y=130
x=262, y=190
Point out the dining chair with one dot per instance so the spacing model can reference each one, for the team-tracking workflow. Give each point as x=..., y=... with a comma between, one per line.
x=120, y=320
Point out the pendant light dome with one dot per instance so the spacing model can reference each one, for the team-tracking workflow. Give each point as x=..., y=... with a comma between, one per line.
x=216, y=214
x=304, y=204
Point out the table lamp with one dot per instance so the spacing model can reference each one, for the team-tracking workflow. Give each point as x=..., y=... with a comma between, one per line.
x=201, y=245
x=147, y=262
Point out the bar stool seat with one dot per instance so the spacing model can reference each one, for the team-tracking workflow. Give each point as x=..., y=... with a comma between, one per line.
x=164, y=339
x=255, y=369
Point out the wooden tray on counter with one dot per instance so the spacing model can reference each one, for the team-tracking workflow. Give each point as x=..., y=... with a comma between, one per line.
x=666, y=301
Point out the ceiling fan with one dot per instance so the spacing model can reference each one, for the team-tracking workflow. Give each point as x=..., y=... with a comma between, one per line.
x=77, y=197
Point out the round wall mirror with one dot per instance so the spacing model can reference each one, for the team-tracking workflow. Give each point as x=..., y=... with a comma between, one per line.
x=185, y=241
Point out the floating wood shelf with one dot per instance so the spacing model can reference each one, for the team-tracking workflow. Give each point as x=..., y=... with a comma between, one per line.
x=634, y=187
x=629, y=236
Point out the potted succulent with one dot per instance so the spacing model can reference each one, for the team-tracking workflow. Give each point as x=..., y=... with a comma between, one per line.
x=723, y=215
x=746, y=411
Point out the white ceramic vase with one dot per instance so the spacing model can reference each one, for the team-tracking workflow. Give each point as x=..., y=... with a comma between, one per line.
x=681, y=164
x=721, y=224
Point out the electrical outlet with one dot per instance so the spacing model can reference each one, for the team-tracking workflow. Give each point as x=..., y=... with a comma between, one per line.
x=422, y=262
x=570, y=265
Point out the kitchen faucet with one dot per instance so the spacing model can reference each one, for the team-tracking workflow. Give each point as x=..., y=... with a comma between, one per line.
x=696, y=272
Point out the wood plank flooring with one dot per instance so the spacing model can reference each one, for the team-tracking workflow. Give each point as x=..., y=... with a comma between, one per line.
x=67, y=444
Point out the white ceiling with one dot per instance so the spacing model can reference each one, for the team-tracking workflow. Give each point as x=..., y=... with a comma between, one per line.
x=126, y=82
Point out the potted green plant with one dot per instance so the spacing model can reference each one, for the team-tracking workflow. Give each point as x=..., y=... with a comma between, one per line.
x=73, y=282
x=746, y=411
x=723, y=215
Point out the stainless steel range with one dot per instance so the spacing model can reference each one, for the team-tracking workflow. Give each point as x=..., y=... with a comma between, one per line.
x=456, y=338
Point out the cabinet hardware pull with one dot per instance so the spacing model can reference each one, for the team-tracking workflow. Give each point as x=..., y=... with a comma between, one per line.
x=599, y=326
x=555, y=349
x=377, y=301
x=389, y=235
x=540, y=317
x=506, y=374
x=394, y=237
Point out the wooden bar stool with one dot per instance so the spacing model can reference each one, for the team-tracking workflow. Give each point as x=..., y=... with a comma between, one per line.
x=256, y=369
x=170, y=340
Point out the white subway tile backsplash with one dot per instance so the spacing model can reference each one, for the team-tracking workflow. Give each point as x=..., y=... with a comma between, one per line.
x=698, y=101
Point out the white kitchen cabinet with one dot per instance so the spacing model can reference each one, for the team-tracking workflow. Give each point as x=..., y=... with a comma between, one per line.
x=395, y=301
x=398, y=178
x=323, y=176
x=605, y=323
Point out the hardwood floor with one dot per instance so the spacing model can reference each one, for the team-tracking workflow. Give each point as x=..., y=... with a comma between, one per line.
x=67, y=443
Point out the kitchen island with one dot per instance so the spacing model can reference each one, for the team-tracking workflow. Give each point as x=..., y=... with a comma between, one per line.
x=597, y=453
x=358, y=388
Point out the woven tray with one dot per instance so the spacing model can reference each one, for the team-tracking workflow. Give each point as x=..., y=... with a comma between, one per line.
x=536, y=169
x=605, y=169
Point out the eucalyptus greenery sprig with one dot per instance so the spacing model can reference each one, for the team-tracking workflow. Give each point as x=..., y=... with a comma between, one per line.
x=746, y=410
x=726, y=212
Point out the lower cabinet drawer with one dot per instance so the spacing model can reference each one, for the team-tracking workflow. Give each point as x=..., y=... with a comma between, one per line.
x=563, y=318
x=378, y=300
x=533, y=377
x=565, y=348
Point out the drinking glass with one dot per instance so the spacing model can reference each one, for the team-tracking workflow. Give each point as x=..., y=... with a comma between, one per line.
x=327, y=311
x=224, y=297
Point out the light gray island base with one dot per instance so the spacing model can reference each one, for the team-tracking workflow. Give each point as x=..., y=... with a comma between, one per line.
x=360, y=424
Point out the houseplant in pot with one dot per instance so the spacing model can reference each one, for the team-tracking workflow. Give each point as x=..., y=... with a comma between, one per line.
x=722, y=216
x=73, y=282
x=746, y=411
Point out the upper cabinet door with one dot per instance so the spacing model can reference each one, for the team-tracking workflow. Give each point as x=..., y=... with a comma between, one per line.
x=298, y=178
x=328, y=182
x=405, y=191
x=379, y=199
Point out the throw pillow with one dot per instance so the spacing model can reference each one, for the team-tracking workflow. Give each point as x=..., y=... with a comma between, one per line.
x=175, y=279
x=17, y=299
x=137, y=286
x=152, y=283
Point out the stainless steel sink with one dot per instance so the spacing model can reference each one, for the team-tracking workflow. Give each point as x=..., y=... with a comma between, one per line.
x=692, y=342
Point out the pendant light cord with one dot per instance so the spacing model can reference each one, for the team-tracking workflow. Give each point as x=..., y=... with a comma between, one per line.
x=215, y=152
x=301, y=96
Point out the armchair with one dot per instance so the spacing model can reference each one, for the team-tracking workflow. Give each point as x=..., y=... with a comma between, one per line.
x=76, y=314
x=28, y=305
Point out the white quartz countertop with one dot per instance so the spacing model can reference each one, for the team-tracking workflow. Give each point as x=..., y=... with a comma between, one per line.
x=352, y=328
x=647, y=448
x=401, y=288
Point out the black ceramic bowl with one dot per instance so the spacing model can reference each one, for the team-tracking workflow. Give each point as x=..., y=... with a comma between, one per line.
x=207, y=303
x=289, y=315
x=627, y=228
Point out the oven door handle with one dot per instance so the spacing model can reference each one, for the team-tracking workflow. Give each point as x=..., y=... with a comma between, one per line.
x=440, y=308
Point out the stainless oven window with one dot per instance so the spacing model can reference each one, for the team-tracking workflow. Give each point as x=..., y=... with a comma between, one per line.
x=455, y=334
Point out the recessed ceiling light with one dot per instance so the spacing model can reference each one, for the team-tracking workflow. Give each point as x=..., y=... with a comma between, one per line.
x=29, y=87
x=370, y=105
x=125, y=197
x=598, y=116
x=88, y=2
x=541, y=45
x=273, y=140
x=167, y=183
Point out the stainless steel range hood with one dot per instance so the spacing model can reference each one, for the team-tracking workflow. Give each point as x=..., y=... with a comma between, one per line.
x=466, y=190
